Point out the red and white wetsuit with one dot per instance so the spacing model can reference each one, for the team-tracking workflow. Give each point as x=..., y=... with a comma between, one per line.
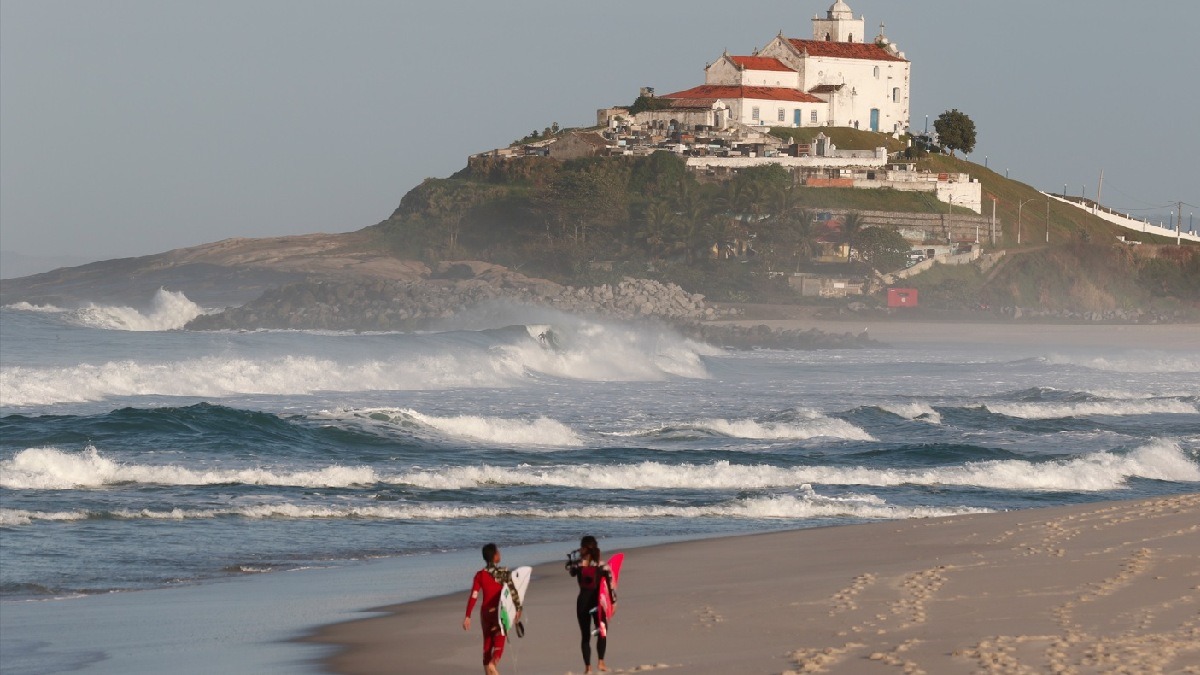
x=489, y=614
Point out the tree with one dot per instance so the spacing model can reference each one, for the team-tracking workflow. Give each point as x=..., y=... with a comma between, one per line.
x=789, y=237
x=883, y=248
x=955, y=131
x=850, y=229
x=584, y=198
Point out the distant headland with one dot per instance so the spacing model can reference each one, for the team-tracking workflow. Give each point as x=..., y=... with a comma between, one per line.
x=790, y=177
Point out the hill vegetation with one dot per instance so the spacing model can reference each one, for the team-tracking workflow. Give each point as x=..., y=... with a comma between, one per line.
x=600, y=219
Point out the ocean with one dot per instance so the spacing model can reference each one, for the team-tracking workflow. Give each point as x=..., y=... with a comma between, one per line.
x=143, y=467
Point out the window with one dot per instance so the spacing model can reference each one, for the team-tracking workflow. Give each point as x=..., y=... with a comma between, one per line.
x=877, y=72
x=895, y=94
x=754, y=113
x=782, y=115
x=812, y=116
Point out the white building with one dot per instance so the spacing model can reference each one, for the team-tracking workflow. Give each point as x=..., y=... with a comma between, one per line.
x=834, y=79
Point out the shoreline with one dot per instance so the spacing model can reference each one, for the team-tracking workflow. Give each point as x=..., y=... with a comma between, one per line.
x=1054, y=589
x=1173, y=336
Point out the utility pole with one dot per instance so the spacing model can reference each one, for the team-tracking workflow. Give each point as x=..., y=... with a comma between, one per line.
x=1099, y=189
x=1178, y=222
x=1047, y=220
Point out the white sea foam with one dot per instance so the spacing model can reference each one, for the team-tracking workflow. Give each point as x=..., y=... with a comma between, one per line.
x=605, y=352
x=169, y=310
x=41, y=309
x=781, y=507
x=49, y=468
x=217, y=376
x=914, y=411
x=540, y=431
x=16, y=517
x=607, y=355
x=53, y=469
x=1045, y=411
x=1160, y=460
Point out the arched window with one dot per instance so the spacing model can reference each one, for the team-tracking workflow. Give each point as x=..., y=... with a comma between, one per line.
x=827, y=37
x=851, y=38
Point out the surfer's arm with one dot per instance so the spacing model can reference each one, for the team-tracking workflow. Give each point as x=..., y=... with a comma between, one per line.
x=612, y=588
x=471, y=599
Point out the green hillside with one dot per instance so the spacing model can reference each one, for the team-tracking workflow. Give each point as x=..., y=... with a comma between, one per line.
x=596, y=220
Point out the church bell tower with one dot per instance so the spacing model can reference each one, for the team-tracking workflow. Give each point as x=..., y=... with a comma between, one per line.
x=839, y=25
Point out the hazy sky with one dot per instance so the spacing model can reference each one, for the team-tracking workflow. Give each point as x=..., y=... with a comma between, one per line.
x=133, y=127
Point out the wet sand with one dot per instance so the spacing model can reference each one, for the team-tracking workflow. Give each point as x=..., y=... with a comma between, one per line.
x=1104, y=587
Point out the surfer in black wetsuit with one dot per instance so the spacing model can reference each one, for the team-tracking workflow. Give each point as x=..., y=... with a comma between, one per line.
x=589, y=570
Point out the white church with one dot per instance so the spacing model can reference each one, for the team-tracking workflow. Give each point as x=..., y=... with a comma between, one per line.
x=835, y=79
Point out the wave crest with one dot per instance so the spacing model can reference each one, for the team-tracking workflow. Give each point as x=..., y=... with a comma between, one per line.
x=780, y=507
x=169, y=310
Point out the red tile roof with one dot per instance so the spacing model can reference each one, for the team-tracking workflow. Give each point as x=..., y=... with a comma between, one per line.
x=759, y=63
x=734, y=91
x=845, y=50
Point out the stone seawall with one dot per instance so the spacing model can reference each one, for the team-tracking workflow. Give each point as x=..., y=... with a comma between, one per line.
x=396, y=305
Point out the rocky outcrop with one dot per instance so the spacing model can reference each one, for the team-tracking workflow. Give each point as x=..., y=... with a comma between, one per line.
x=382, y=304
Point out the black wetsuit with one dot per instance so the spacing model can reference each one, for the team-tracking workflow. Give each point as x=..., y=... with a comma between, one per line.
x=589, y=577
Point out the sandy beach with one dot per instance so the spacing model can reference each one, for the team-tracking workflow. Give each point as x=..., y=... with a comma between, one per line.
x=1104, y=587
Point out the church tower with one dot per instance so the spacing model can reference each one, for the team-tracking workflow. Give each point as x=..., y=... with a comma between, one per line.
x=839, y=25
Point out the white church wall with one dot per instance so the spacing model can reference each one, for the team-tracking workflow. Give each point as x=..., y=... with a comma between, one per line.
x=867, y=85
x=771, y=78
x=743, y=110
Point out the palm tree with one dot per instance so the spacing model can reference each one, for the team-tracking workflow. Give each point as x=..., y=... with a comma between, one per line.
x=657, y=223
x=850, y=228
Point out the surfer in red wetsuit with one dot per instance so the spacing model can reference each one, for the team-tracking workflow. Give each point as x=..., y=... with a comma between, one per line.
x=589, y=570
x=490, y=581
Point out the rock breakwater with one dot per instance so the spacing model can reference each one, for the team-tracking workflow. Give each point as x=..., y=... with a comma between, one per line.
x=393, y=305
x=411, y=305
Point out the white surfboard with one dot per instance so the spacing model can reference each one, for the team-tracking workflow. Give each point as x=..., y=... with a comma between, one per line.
x=508, y=608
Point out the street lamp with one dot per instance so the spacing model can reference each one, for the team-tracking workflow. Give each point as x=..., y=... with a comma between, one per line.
x=1019, y=206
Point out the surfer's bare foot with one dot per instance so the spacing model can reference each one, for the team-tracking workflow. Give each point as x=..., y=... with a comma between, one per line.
x=490, y=669
x=601, y=667
x=586, y=670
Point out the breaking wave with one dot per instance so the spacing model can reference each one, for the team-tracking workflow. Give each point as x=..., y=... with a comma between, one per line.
x=40, y=309
x=804, y=506
x=429, y=362
x=1044, y=411
x=541, y=431
x=50, y=468
x=169, y=310
x=808, y=425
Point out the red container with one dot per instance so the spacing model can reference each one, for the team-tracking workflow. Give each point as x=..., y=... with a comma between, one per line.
x=902, y=297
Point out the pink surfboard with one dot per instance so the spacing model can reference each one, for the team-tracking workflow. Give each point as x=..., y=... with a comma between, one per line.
x=605, y=609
